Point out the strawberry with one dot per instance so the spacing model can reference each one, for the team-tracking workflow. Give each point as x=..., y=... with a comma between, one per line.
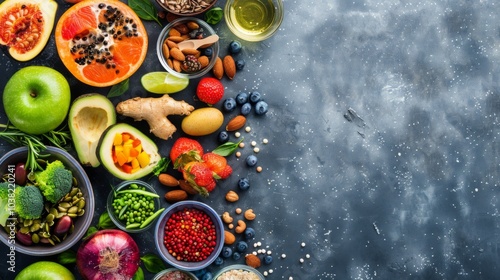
x=199, y=176
x=218, y=164
x=185, y=150
x=210, y=90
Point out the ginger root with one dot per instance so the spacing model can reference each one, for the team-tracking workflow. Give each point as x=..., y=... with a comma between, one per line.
x=155, y=111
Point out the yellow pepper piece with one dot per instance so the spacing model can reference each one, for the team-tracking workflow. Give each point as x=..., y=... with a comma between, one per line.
x=117, y=140
x=143, y=159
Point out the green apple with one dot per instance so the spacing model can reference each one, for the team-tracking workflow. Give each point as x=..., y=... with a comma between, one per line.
x=36, y=99
x=45, y=270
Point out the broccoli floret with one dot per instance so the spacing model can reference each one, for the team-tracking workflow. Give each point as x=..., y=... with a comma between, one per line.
x=29, y=202
x=4, y=203
x=55, y=181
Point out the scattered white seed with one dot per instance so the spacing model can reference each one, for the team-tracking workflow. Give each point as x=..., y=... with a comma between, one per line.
x=308, y=256
x=265, y=141
x=271, y=271
x=237, y=134
x=261, y=251
x=248, y=129
x=241, y=145
x=255, y=253
x=259, y=243
x=283, y=256
x=301, y=260
x=255, y=245
x=238, y=154
x=256, y=150
x=269, y=252
x=303, y=244
x=253, y=143
x=265, y=273
x=290, y=278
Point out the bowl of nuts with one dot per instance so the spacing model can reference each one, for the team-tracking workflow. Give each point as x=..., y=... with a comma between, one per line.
x=174, y=273
x=133, y=206
x=48, y=211
x=189, y=235
x=188, y=62
x=186, y=7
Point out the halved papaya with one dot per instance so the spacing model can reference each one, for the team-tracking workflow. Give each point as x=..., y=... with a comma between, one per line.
x=101, y=42
x=25, y=26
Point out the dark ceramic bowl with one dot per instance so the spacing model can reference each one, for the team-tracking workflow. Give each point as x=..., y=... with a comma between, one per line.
x=81, y=224
x=160, y=234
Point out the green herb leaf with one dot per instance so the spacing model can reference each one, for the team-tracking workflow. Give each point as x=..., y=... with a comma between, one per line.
x=139, y=274
x=227, y=148
x=90, y=231
x=118, y=89
x=153, y=263
x=144, y=9
x=67, y=257
x=105, y=221
x=161, y=166
x=214, y=15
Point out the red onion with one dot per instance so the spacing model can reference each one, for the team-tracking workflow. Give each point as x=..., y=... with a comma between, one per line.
x=108, y=254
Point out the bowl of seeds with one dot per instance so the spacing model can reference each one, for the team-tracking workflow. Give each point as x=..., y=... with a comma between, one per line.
x=191, y=62
x=186, y=7
x=42, y=217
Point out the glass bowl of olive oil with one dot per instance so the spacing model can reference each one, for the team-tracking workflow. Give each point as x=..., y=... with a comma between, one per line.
x=254, y=20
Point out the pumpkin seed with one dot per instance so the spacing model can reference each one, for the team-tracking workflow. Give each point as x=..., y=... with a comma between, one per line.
x=73, y=210
x=35, y=238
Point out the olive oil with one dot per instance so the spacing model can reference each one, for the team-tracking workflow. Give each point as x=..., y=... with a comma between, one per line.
x=252, y=17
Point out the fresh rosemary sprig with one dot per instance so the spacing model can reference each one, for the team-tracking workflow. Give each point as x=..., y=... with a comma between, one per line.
x=35, y=143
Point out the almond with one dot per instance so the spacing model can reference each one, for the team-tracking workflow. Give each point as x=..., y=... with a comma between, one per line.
x=204, y=61
x=229, y=66
x=176, y=195
x=176, y=39
x=236, y=123
x=231, y=196
x=182, y=28
x=168, y=180
x=183, y=184
x=177, y=54
x=176, y=65
x=174, y=32
x=171, y=44
x=218, y=69
x=192, y=25
x=252, y=260
x=194, y=52
x=229, y=237
x=166, y=51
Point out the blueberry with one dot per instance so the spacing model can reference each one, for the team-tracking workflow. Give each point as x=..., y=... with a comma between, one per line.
x=249, y=233
x=254, y=96
x=226, y=252
x=241, y=246
x=251, y=160
x=207, y=276
x=208, y=52
x=240, y=64
x=229, y=104
x=242, y=98
x=243, y=184
x=200, y=272
x=246, y=109
x=219, y=261
x=236, y=256
x=261, y=107
x=268, y=259
x=235, y=47
x=193, y=34
x=223, y=137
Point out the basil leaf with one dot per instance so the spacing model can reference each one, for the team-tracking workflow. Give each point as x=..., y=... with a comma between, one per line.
x=105, y=221
x=118, y=89
x=227, y=148
x=139, y=274
x=144, y=9
x=153, y=263
x=161, y=166
x=67, y=257
x=214, y=15
x=90, y=231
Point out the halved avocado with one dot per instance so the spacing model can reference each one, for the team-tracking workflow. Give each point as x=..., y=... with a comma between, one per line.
x=108, y=155
x=88, y=118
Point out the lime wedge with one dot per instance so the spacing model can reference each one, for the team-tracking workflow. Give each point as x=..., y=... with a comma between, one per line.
x=163, y=82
